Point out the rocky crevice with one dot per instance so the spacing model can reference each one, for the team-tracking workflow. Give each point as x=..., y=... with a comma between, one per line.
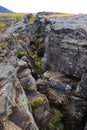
x=29, y=89
x=65, y=52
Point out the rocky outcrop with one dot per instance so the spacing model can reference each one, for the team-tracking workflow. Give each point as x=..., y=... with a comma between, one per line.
x=17, y=79
x=14, y=104
x=65, y=46
x=65, y=52
x=40, y=107
x=26, y=96
x=60, y=91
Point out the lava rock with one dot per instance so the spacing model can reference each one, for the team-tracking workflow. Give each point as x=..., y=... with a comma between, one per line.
x=40, y=107
x=65, y=46
x=8, y=125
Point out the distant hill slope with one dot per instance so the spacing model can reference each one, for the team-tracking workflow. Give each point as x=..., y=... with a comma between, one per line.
x=4, y=10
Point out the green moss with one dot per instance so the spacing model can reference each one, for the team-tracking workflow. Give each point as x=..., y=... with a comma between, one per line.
x=11, y=39
x=34, y=53
x=31, y=88
x=37, y=60
x=5, y=38
x=2, y=45
x=38, y=102
x=2, y=27
x=19, y=41
x=32, y=19
x=55, y=119
x=22, y=53
x=18, y=17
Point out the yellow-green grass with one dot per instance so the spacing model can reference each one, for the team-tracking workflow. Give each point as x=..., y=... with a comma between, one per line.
x=16, y=16
x=38, y=102
x=55, y=119
x=22, y=53
x=58, y=15
x=2, y=27
x=2, y=45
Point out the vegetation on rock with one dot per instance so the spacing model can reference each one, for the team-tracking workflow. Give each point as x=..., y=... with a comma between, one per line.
x=2, y=27
x=37, y=102
x=22, y=53
x=34, y=54
x=32, y=19
x=55, y=119
x=37, y=60
x=2, y=45
x=23, y=48
x=19, y=41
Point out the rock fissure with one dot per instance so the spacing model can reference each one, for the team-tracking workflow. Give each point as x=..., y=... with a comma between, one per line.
x=43, y=69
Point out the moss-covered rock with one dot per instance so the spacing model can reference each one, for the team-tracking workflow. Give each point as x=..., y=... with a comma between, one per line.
x=2, y=27
x=2, y=45
x=35, y=54
x=32, y=19
x=40, y=108
x=22, y=53
x=38, y=102
x=37, y=60
x=19, y=41
x=55, y=120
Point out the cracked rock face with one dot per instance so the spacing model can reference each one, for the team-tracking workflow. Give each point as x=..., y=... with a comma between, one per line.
x=40, y=107
x=62, y=92
x=65, y=41
x=13, y=101
x=16, y=66
x=66, y=52
x=65, y=46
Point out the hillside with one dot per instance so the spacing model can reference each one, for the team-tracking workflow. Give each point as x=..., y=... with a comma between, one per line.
x=4, y=10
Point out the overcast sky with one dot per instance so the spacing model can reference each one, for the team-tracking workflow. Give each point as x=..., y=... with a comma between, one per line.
x=27, y=6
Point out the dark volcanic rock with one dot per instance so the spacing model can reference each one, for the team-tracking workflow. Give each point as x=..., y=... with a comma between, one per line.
x=22, y=46
x=65, y=46
x=40, y=106
x=86, y=126
x=13, y=99
x=26, y=79
x=65, y=51
x=8, y=125
x=60, y=91
x=82, y=87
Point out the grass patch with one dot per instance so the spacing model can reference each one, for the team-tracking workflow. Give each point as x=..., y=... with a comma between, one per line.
x=35, y=56
x=2, y=45
x=22, y=53
x=32, y=19
x=38, y=102
x=37, y=60
x=19, y=41
x=12, y=16
x=2, y=27
x=58, y=15
x=55, y=119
